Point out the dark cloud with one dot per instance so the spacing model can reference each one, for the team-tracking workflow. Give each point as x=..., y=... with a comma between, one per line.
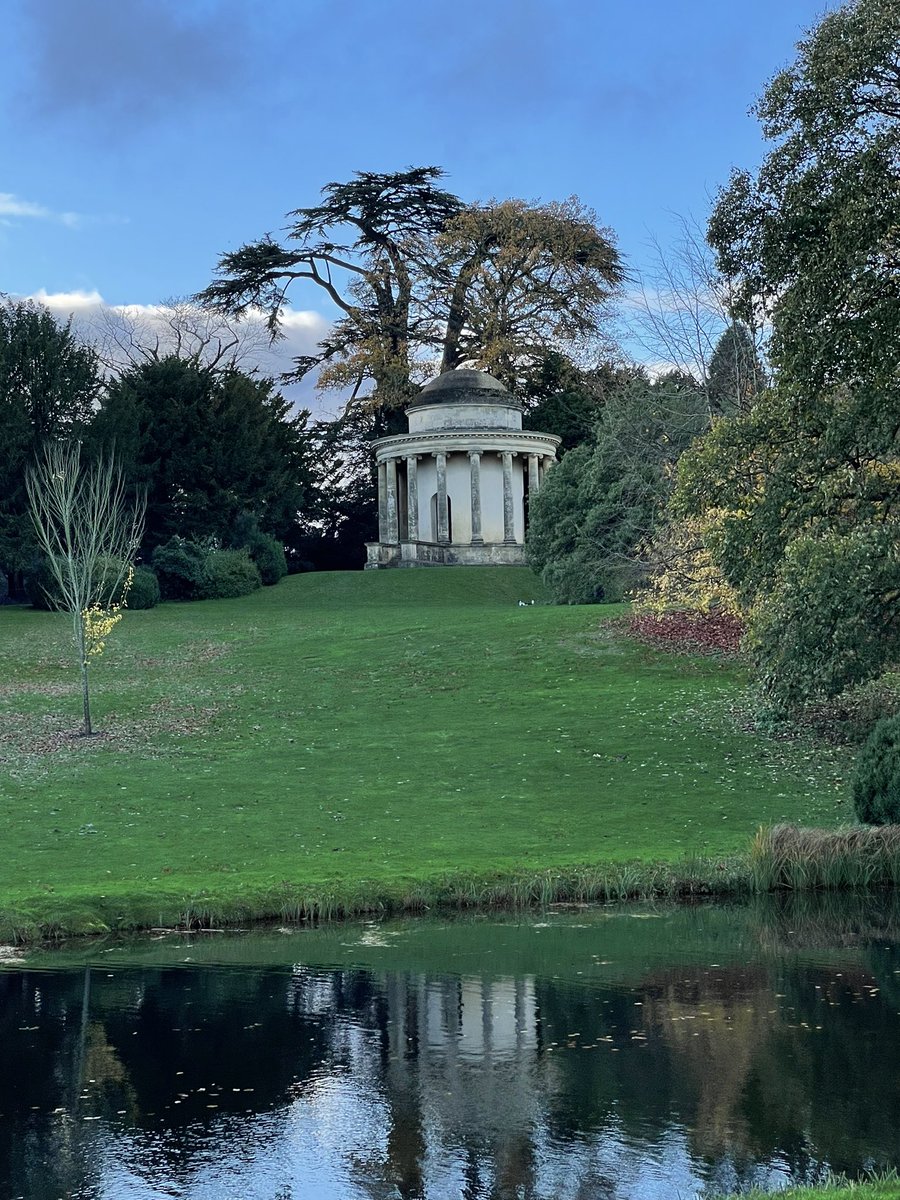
x=130, y=61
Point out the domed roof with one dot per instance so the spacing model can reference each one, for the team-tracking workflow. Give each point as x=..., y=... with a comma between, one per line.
x=464, y=386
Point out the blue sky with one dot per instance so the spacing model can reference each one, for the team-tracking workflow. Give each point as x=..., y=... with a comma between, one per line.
x=141, y=138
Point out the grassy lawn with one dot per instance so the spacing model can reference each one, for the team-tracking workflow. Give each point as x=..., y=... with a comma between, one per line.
x=875, y=1189
x=364, y=735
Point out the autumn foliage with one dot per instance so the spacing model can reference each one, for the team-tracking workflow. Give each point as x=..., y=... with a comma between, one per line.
x=688, y=632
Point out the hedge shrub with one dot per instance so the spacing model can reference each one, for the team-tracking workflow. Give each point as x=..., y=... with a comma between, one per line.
x=229, y=573
x=269, y=558
x=876, y=781
x=43, y=590
x=144, y=591
x=41, y=587
x=179, y=567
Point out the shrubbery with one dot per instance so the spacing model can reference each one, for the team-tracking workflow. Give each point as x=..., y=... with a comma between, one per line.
x=189, y=571
x=228, y=573
x=178, y=564
x=181, y=570
x=41, y=587
x=596, y=509
x=818, y=625
x=269, y=558
x=876, y=782
x=43, y=590
x=144, y=591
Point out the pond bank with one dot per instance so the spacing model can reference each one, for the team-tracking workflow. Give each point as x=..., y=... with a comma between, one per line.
x=53, y=918
x=780, y=858
x=884, y=1187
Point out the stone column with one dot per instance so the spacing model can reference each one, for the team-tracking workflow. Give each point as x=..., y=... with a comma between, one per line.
x=392, y=530
x=475, y=480
x=443, y=529
x=412, y=497
x=534, y=480
x=509, y=516
x=382, y=502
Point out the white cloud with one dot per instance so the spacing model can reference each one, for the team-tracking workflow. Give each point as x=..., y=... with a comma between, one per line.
x=13, y=207
x=68, y=303
x=97, y=321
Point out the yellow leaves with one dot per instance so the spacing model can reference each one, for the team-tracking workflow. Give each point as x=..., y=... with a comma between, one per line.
x=98, y=625
x=886, y=472
x=98, y=621
x=684, y=575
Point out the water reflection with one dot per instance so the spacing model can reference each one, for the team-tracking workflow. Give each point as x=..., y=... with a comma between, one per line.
x=636, y=1058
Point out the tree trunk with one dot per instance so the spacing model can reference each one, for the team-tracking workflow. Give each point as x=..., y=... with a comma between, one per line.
x=456, y=316
x=87, y=731
x=86, y=700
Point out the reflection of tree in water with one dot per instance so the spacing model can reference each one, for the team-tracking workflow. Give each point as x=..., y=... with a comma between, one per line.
x=39, y=1154
x=834, y=1057
x=832, y=1064
x=495, y=1082
x=716, y=1024
x=163, y=1048
x=674, y=1053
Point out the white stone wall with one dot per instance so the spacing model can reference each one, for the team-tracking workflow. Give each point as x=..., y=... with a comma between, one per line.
x=460, y=495
x=427, y=481
x=429, y=417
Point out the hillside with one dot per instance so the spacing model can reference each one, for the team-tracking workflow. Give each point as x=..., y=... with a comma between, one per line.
x=358, y=738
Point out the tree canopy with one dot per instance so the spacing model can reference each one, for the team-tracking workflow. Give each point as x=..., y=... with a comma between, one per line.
x=812, y=239
x=599, y=507
x=517, y=281
x=736, y=375
x=419, y=278
x=808, y=481
x=207, y=447
x=48, y=383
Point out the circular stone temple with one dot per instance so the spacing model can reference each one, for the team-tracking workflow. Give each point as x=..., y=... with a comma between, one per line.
x=454, y=490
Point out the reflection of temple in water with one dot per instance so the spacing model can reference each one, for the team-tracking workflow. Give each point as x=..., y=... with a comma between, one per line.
x=511, y=1086
x=386, y=1084
x=458, y=1063
x=477, y=1090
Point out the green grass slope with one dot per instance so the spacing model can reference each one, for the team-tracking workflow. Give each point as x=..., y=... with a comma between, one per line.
x=359, y=737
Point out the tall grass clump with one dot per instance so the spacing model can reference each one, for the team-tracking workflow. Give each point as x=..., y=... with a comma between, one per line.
x=788, y=856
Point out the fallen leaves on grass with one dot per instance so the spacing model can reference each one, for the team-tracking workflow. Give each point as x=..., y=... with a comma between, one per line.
x=31, y=688
x=28, y=739
x=687, y=632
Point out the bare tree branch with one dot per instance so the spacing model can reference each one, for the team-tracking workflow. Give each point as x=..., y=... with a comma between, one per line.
x=90, y=536
x=207, y=337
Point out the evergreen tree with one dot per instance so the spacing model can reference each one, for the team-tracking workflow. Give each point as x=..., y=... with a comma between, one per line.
x=736, y=374
x=808, y=481
x=418, y=276
x=208, y=449
x=561, y=398
x=48, y=382
x=601, y=505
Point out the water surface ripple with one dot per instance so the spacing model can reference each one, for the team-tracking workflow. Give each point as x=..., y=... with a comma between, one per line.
x=622, y=1053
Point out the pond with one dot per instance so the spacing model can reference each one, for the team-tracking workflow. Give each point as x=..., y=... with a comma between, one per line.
x=612, y=1053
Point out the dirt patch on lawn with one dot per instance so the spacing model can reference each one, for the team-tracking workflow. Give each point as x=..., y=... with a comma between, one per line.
x=32, y=741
